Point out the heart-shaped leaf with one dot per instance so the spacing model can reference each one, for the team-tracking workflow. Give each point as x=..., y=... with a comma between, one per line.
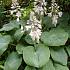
x=10, y=26
x=4, y=41
x=18, y=34
x=20, y=48
x=13, y=61
x=29, y=40
x=54, y=37
x=36, y=57
x=59, y=55
x=47, y=21
x=60, y=67
x=48, y=66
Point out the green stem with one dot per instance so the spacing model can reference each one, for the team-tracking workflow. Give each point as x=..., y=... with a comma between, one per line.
x=35, y=46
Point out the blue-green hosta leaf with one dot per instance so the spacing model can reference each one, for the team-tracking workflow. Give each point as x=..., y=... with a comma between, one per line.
x=29, y=68
x=55, y=37
x=29, y=40
x=49, y=66
x=4, y=41
x=18, y=34
x=10, y=26
x=68, y=49
x=20, y=48
x=63, y=22
x=60, y=67
x=59, y=55
x=36, y=57
x=13, y=61
x=47, y=21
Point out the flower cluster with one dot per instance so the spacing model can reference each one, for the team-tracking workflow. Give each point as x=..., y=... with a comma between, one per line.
x=39, y=7
x=15, y=8
x=34, y=23
x=55, y=13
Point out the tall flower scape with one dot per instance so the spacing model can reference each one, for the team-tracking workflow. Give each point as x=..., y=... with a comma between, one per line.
x=34, y=23
x=55, y=12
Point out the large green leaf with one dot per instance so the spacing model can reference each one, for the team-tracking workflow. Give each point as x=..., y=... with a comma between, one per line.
x=29, y=68
x=10, y=26
x=18, y=34
x=54, y=37
x=20, y=48
x=28, y=39
x=59, y=55
x=63, y=22
x=48, y=66
x=47, y=21
x=13, y=61
x=60, y=67
x=4, y=41
x=36, y=57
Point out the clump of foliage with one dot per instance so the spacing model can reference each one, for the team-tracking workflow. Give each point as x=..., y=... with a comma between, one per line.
x=20, y=51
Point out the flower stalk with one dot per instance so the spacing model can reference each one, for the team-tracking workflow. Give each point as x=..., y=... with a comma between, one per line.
x=34, y=22
x=15, y=8
x=55, y=12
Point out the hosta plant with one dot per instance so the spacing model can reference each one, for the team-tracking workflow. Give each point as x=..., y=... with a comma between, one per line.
x=34, y=38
